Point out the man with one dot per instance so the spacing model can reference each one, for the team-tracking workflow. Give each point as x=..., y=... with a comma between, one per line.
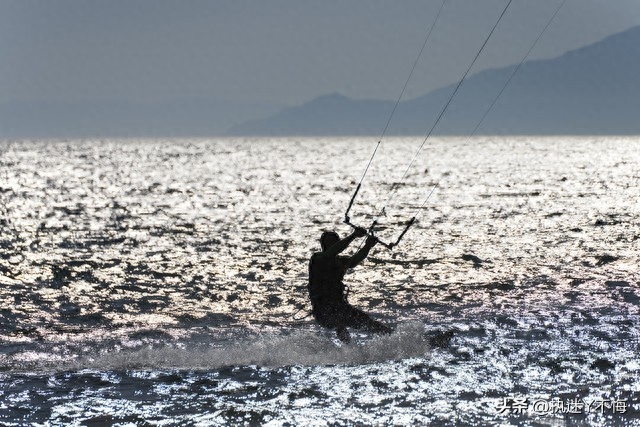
x=327, y=292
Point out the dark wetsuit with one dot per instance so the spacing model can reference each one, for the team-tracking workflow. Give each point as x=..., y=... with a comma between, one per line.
x=327, y=293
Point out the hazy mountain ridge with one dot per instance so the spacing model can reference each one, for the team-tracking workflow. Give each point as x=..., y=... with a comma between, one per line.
x=591, y=90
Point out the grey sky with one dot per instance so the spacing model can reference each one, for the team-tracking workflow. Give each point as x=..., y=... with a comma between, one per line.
x=277, y=51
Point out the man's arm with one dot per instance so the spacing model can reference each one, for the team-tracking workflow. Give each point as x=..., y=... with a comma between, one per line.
x=362, y=253
x=342, y=244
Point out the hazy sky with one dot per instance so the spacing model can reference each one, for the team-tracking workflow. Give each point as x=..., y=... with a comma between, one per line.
x=275, y=51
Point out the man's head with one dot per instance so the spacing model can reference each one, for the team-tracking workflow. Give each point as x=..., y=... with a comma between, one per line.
x=328, y=239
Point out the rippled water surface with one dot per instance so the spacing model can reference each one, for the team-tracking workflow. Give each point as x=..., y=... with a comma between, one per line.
x=163, y=282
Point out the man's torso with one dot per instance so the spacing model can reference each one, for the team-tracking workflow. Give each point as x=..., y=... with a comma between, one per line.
x=325, y=278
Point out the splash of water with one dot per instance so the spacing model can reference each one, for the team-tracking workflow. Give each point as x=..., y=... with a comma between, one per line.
x=301, y=347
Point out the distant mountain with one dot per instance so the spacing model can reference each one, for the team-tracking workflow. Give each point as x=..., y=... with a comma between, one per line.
x=591, y=90
x=332, y=114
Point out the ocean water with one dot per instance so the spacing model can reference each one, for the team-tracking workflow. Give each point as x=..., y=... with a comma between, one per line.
x=162, y=282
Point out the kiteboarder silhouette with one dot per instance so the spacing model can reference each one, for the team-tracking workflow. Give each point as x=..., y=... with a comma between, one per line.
x=327, y=291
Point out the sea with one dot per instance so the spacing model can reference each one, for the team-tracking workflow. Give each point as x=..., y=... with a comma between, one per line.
x=162, y=282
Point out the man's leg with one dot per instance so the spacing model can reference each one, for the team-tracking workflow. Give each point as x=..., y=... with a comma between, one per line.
x=334, y=317
x=358, y=319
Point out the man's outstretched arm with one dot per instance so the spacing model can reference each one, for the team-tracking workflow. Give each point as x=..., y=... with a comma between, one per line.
x=342, y=244
x=362, y=253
